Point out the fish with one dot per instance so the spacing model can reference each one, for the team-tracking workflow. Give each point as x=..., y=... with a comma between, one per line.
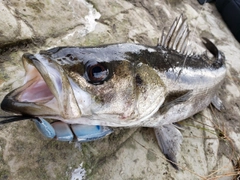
x=88, y=90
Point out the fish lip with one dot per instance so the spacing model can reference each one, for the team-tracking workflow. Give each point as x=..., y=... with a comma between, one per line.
x=14, y=102
x=37, y=69
x=39, y=64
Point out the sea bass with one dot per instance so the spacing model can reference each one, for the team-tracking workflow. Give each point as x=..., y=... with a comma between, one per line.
x=90, y=89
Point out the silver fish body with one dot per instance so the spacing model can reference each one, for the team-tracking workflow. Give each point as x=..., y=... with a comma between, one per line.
x=146, y=86
x=122, y=85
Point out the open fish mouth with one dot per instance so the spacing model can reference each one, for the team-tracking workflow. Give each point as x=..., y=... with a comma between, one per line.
x=44, y=92
x=36, y=91
x=35, y=88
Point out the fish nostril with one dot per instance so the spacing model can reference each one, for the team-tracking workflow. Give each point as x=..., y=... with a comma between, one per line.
x=29, y=56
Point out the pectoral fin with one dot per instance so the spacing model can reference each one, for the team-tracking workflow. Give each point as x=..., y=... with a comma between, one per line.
x=217, y=102
x=173, y=99
x=169, y=140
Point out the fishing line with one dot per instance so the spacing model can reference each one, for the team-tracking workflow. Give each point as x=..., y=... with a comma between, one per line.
x=10, y=119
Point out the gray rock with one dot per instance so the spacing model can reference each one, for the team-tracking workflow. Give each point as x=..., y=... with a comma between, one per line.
x=12, y=29
x=211, y=145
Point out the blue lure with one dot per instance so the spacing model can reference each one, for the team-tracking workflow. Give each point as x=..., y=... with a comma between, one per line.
x=62, y=131
x=70, y=132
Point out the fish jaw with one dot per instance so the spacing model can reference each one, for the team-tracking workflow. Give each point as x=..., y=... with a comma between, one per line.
x=46, y=90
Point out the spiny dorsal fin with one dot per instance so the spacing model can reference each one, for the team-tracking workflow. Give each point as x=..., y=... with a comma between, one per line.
x=177, y=36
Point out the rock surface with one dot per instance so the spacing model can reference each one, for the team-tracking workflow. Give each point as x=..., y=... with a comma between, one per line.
x=211, y=145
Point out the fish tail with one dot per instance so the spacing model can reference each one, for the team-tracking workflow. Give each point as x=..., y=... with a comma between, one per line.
x=220, y=58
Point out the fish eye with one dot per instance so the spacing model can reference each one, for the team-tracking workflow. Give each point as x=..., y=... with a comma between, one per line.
x=96, y=73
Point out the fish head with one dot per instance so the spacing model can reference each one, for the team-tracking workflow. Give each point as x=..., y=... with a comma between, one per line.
x=43, y=91
x=87, y=87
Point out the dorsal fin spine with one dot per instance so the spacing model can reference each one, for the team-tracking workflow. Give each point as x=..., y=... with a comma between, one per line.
x=170, y=32
x=182, y=39
x=163, y=37
x=177, y=36
x=175, y=32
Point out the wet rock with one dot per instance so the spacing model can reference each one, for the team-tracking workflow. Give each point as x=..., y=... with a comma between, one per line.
x=12, y=29
x=27, y=19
